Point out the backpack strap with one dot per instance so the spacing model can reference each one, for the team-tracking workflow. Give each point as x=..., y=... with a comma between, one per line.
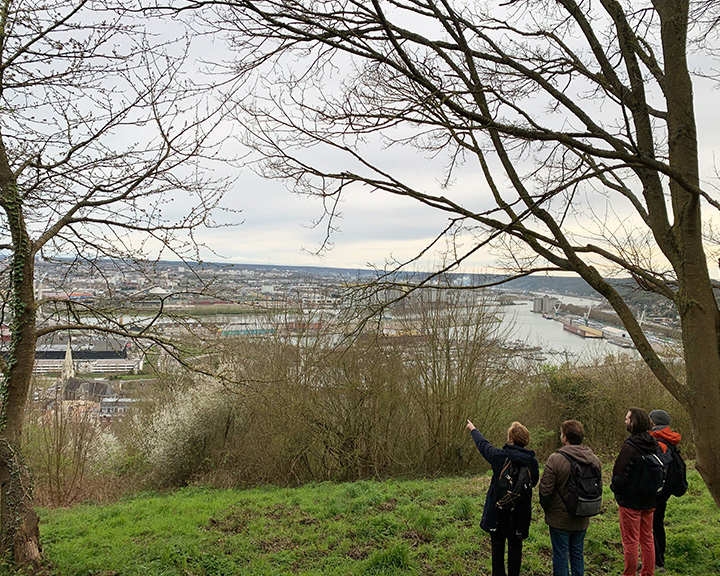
x=505, y=466
x=571, y=460
x=671, y=447
x=638, y=451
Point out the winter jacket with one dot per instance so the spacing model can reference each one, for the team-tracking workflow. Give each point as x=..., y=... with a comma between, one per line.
x=554, y=487
x=626, y=473
x=509, y=524
x=664, y=436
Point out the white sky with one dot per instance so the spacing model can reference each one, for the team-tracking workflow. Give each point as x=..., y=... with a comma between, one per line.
x=277, y=225
x=278, y=228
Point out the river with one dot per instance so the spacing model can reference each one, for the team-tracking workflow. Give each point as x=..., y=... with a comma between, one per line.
x=518, y=324
x=555, y=343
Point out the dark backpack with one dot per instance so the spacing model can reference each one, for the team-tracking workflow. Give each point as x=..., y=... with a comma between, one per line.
x=513, y=485
x=675, y=471
x=584, y=496
x=650, y=476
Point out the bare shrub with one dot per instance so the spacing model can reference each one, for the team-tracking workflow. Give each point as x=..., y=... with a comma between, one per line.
x=456, y=371
x=311, y=412
x=72, y=455
x=384, y=405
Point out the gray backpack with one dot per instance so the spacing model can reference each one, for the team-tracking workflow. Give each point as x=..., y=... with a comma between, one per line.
x=584, y=488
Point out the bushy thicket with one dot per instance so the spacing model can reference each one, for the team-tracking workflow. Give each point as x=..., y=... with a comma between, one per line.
x=303, y=408
x=598, y=395
x=306, y=409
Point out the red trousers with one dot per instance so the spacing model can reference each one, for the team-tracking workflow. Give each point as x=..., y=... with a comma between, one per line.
x=636, y=529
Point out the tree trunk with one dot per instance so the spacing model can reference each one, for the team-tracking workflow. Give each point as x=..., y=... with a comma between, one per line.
x=19, y=532
x=19, y=536
x=703, y=415
x=701, y=393
x=695, y=299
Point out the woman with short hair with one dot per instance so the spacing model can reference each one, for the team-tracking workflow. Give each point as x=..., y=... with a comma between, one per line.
x=504, y=524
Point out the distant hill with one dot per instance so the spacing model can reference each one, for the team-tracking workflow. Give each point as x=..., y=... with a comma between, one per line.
x=541, y=284
x=636, y=297
x=564, y=285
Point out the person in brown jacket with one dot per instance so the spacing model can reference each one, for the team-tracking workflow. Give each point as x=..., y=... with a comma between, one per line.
x=567, y=531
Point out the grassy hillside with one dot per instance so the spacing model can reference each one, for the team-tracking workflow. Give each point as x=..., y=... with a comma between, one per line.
x=418, y=527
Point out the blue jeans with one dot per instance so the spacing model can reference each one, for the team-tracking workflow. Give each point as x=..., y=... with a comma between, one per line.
x=567, y=545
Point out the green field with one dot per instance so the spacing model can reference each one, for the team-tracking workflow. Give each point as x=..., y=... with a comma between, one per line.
x=413, y=527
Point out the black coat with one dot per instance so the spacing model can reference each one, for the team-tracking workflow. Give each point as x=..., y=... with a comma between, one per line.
x=626, y=473
x=509, y=524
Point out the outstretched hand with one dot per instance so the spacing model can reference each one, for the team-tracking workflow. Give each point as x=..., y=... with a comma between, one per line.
x=470, y=426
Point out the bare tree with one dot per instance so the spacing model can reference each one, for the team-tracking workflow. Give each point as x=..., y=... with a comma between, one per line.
x=100, y=132
x=456, y=369
x=574, y=122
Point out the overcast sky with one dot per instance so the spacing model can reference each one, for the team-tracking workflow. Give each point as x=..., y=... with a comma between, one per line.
x=279, y=227
x=276, y=226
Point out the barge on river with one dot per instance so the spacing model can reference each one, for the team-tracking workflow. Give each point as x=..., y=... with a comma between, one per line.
x=584, y=331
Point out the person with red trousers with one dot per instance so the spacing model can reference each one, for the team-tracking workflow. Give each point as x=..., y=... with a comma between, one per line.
x=635, y=502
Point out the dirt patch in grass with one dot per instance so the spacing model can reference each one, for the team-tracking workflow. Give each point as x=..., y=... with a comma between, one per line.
x=276, y=544
x=388, y=505
x=278, y=512
x=415, y=537
x=358, y=553
x=234, y=521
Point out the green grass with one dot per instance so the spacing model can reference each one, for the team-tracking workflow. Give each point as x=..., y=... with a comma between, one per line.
x=415, y=527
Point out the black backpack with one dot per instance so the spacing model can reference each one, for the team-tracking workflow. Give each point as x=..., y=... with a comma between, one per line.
x=650, y=477
x=584, y=496
x=675, y=471
x=513, y=486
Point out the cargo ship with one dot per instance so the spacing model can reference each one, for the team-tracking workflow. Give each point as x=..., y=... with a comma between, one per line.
x=584, y=331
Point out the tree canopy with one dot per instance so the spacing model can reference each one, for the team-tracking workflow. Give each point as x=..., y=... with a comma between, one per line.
x=566, y=130
x=100, y=132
